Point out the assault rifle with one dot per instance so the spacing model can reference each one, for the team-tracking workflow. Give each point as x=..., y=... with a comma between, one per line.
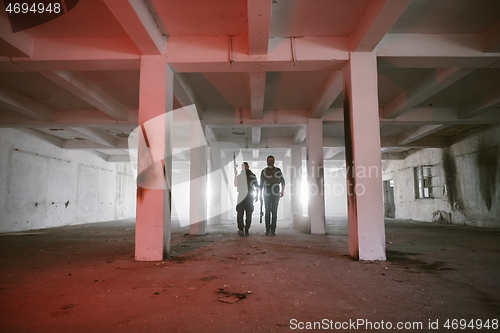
x=261, y=213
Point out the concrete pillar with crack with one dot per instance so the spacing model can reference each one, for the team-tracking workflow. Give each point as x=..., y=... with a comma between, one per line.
x=153, y=218
x=363, y=158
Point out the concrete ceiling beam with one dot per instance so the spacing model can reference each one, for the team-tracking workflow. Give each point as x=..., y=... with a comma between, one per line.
x=443, y=116
x=333, y=146
x=330, y=152
x=259, y=26
x=24, y=105
x=185, y=94
x=96, y=135
x=232, y=93
x=257, y=92
x=394, y=156
x=424, y=116
x=281, y=142
x=18, y=44
x=256, y=134
x=210, y=134
x=379, y=17
x=58, y=142
x=483, y=104
x=264, y=125
x=88, y=145
x=434, y=51
x=428, y=86
x=388, y=149
x=427, y=143
x=420, y=132
x=99, y=154
x=89, y=92
x=243, y=117
x=213, y=54
x=300, y=135
x=77, y=54
x=135, y=18
x=339, y=142
x=247, y=155
x=330, y=90
x=334, y=115
x=392, y=142
x=217, y=118
x=67, y=119
x=276, y=142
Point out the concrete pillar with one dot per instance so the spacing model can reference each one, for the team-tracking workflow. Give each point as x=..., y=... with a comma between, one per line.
x=225, y=198
x=315, y=168
x=287, y=198
x=299, y=221
x=198, y=180
x=363, y=159
x=215, y=184
x=153, y=221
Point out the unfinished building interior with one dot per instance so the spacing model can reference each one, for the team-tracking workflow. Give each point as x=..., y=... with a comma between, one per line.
x=121, y=123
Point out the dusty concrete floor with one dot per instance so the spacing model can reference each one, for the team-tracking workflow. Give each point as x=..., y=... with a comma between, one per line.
x=85, y=279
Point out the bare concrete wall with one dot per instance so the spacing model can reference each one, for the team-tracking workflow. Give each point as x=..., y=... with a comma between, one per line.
x=465, y=182
x=43, y=186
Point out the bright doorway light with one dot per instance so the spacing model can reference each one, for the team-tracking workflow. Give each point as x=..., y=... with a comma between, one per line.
x=304, y=194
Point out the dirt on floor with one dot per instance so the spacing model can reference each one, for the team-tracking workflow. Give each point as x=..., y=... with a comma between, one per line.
x=437, y=278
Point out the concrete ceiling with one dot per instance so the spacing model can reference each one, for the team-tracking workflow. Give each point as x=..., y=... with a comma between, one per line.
x=74, y=81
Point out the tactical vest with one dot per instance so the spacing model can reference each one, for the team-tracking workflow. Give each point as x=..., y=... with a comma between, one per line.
x=270, y=175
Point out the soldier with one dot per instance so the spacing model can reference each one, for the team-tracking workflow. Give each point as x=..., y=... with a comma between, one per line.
x=270, y=180
x=248, y=190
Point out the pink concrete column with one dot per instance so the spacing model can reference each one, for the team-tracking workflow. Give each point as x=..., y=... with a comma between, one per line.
x=299, y=221
x=226, y=196
x=153, y=222
x=198, y=180
x=287, y=198
x=295, y=180
x=315, y=165
x=363, y=158
x=215, y=184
